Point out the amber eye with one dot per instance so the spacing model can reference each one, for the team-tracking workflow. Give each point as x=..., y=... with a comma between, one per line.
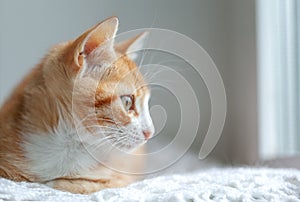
x=127, y=102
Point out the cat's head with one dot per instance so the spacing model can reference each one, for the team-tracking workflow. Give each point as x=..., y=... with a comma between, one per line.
x=109, y=94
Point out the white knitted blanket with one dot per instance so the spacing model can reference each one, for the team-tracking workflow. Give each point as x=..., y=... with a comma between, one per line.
x=222, y=184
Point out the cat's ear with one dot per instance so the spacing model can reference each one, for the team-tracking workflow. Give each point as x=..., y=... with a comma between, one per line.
x=131, y=46
x=102, y=34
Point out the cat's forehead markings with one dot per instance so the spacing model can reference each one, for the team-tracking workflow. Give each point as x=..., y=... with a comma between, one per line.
x=104, y=101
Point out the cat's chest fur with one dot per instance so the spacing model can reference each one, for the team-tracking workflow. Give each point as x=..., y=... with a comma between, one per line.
x=57, y=153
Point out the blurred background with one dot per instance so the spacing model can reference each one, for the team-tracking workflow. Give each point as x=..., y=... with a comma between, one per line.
x=254, y=44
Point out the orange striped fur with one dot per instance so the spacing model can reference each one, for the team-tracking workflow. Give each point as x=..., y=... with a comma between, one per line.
x=38, y=134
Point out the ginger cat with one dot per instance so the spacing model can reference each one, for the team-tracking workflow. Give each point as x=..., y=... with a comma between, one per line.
x=75, y=117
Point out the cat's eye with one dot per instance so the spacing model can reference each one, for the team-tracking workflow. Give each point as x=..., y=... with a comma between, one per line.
x=127, y=102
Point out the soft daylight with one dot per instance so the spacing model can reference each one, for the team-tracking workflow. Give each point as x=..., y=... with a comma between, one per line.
x=149, y=100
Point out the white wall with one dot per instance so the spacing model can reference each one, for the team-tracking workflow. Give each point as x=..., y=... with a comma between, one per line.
x=242, y=84
x=225, y=29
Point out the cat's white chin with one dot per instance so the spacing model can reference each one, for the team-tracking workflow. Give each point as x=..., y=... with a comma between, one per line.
x=128, y=148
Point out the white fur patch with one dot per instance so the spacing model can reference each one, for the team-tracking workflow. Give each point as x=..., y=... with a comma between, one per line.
x=58, y=153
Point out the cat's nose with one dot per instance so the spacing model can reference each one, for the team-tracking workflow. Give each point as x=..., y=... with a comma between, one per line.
x=147, y=134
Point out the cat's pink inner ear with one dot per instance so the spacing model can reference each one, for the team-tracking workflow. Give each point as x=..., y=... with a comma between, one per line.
x=102, y=33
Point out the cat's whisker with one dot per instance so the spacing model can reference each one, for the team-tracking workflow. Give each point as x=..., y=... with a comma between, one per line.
x=97, y=145
x=112, y=144
x=148, y=77
x=143, y=57
x=98, y=126
x=100, y=142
